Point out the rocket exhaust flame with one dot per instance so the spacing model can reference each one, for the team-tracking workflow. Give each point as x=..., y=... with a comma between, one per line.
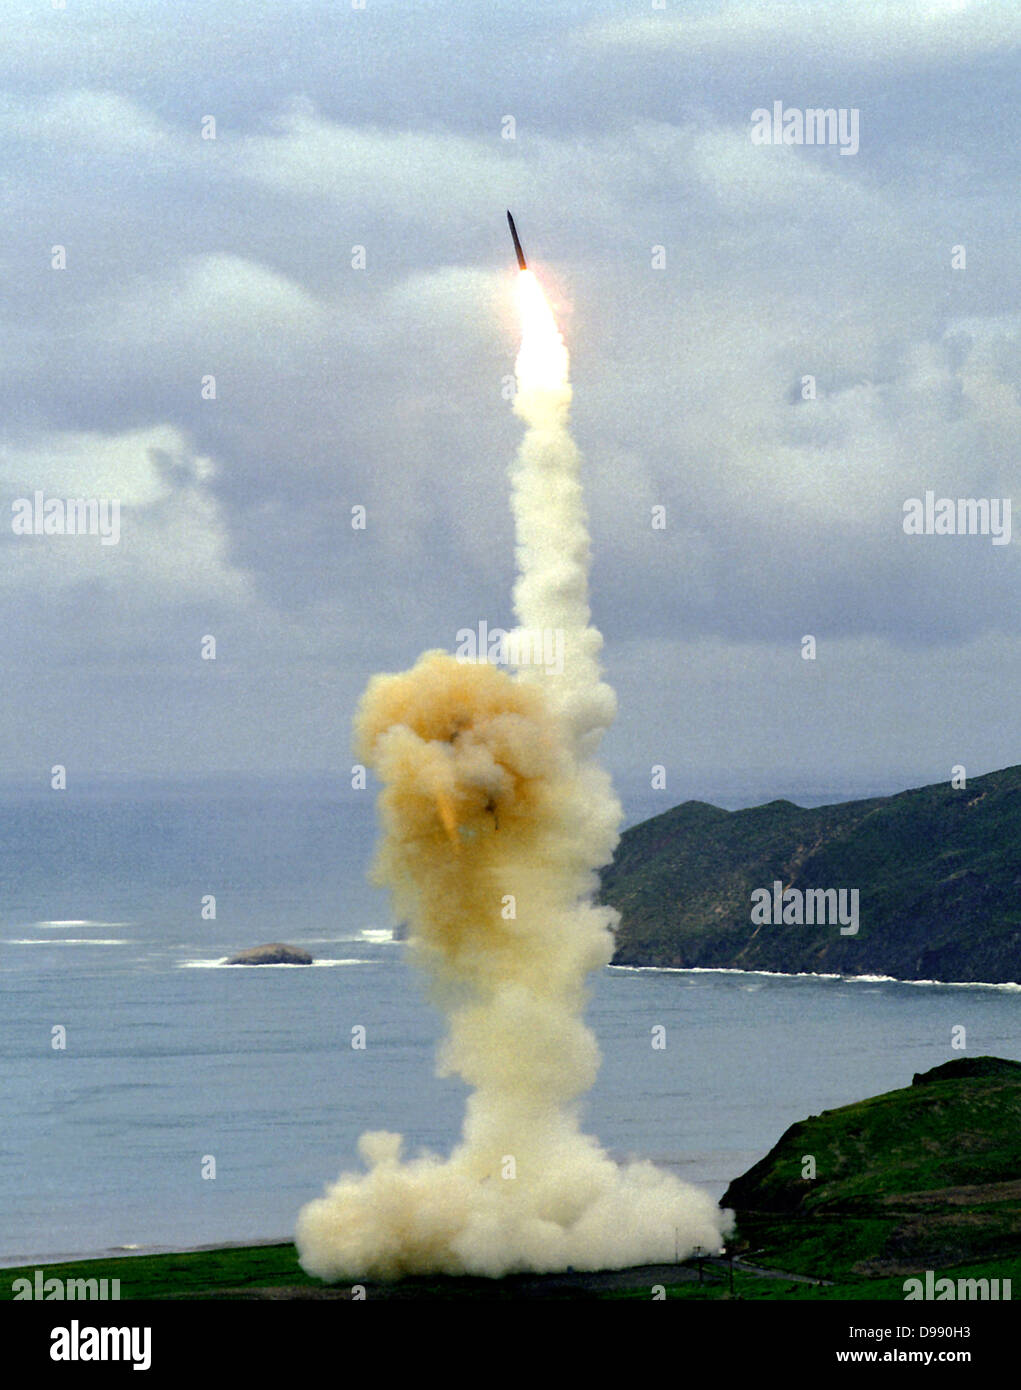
x=542, y=363
x=445, y=807
x=501, y=770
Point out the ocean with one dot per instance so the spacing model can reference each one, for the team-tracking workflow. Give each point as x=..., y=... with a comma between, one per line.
x=176, y=1067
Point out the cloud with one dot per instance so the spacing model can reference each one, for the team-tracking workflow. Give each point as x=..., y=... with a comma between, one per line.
x=207, y=308
x=417, y=175
x=856, y=33
x=103, y=123
x=384, y=386
x=172, y=545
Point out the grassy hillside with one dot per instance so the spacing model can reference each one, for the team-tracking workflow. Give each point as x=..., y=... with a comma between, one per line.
x=921, y=1178
x=938, y=872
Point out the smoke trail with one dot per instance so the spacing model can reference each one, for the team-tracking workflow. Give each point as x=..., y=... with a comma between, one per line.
x=496, y=817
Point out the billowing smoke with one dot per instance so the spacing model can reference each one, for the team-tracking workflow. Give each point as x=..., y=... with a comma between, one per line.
x=496, y=817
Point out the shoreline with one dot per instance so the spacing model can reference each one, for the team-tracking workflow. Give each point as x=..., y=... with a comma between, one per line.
x=1008, y=985
x=128, y=1252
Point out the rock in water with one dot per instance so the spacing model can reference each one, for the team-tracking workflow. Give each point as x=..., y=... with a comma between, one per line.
x=274, y=954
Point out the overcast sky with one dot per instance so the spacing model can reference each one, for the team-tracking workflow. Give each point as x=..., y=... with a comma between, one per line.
x=385, y=127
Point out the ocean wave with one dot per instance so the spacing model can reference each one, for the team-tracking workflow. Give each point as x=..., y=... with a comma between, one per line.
x=221, y=964
x=67, y=923
x=67, y=941
x=1010, y=986
x=370, y=936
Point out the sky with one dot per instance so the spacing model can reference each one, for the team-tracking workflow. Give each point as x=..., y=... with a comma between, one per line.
x=301, y=207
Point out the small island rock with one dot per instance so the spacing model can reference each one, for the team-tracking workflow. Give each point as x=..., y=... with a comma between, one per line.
x=277, y=953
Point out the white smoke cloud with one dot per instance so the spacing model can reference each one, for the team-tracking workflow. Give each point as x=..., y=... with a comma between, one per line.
x=496, y=818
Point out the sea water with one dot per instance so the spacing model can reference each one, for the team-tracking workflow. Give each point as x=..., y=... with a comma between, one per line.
x=188, y=1102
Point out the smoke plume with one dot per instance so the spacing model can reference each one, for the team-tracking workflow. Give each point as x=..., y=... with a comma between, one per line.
x=496, y=817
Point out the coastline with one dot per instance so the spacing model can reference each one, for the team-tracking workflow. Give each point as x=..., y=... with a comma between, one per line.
x=1008, y=985
x=127, y=1252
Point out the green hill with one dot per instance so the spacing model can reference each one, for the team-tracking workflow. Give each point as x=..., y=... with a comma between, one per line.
x=937, y=870
x=925, y=1177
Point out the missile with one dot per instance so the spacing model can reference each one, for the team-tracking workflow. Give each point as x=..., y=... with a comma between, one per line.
x=522, y=265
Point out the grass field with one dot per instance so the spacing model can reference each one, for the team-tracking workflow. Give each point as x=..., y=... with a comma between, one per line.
x=273, y=1271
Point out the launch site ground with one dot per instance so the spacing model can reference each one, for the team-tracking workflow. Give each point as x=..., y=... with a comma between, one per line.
x=272, y=1272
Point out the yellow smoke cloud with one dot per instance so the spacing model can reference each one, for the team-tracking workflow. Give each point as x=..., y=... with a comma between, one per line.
x=466, y=755
x=496, y=817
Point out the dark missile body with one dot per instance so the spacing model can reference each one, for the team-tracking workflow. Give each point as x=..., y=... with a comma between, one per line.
x=522, y=265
